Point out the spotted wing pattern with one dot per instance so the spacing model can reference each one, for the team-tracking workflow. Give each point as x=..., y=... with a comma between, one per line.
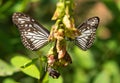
x=33, y=35
x=88, y=33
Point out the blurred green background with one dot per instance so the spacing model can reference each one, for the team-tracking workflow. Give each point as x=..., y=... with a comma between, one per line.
x=100, y=64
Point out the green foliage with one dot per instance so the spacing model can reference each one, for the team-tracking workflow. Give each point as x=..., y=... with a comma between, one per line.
x=6, y=69
x=59, y=80
x=9, y=80
x=31, y=70
x=100, y=64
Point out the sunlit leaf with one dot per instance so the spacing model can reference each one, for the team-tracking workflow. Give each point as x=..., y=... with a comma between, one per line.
x=9, y=80
x=30, y=70
x=59, y=80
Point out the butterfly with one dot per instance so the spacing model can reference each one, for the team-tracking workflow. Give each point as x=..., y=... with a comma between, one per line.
x=34, y=36
x=88, y=33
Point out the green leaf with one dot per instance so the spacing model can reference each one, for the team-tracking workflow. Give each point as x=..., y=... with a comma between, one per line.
x=9, y=80
x=59, y=80
x=31, y=70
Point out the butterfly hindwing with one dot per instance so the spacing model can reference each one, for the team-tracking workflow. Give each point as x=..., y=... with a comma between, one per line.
x=88, y=33
x=33, y=35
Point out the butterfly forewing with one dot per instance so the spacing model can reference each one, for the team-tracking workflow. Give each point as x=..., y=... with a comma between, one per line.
x=33, y=35
x=88, y=33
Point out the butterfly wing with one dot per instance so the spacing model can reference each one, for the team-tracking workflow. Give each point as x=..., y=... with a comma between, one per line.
x=33, y=35
x=88, y=33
